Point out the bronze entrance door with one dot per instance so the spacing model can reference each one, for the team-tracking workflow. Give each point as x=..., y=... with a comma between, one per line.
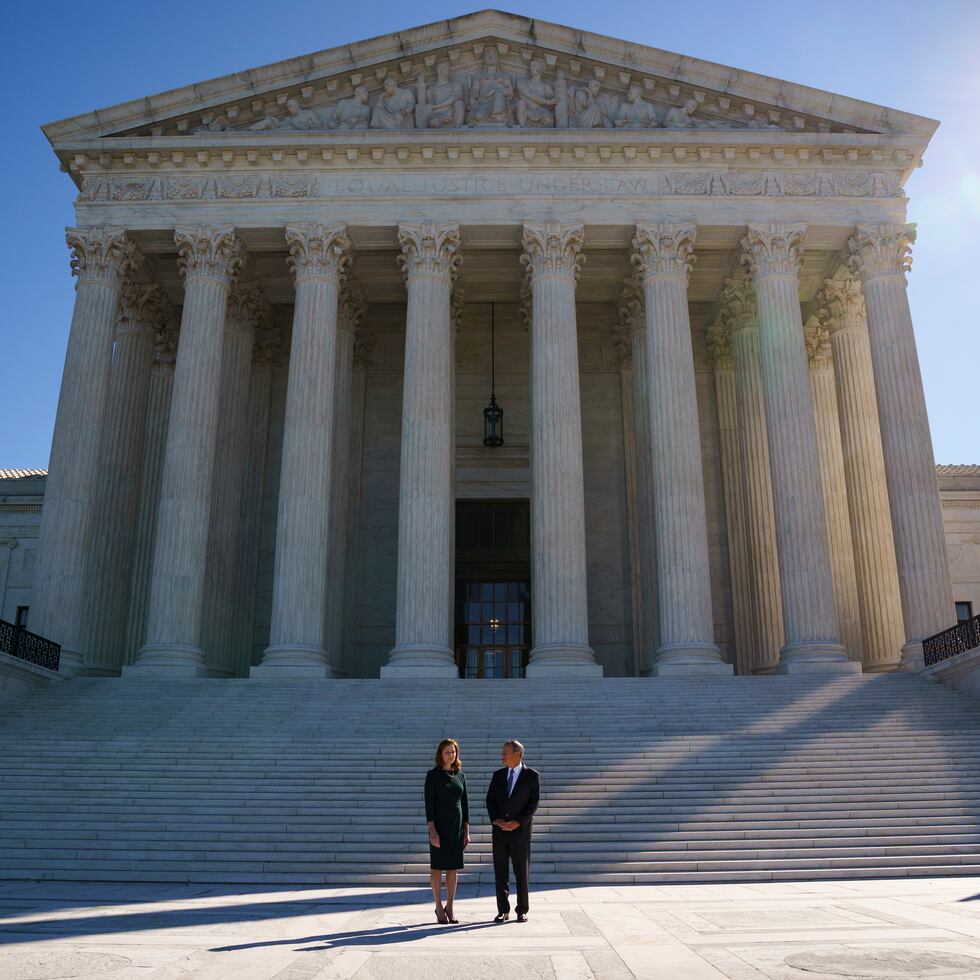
x=493, y=588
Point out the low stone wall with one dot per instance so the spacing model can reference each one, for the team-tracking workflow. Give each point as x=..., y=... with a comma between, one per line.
x=961, y=672
x=18, y=677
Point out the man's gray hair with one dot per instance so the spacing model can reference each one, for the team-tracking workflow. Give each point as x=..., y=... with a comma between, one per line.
x=516, y=746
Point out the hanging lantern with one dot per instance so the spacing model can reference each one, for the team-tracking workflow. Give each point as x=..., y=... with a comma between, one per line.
x=493, y=414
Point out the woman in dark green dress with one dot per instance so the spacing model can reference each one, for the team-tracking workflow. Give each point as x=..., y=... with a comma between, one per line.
x=448, y=814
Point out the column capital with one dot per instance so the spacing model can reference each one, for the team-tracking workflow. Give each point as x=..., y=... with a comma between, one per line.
x=631, y=309
x=718, y=340
x=552, y=249
x=208, y=253
x=166, y=337
x=736, y=305
x=457, y=299
x=817, y=340
x=664, y=249
x=102, y=254
x=774, y=249
x=880, y=250
x=247, y=306
x=317, y=250
x=429, y=249
x=141, y=305
x=353, y=304
x=840, y=305
x=363, y=347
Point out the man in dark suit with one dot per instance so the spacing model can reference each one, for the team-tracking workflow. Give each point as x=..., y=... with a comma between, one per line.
x=511, y=801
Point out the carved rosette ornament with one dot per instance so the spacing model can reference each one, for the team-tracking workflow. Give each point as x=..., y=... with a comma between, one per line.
x=881, y=250
x=664, y=249
x=553, y=249
x=631, y=304
x=457, y=300
x=718, y=340
x=817, y=339
x=317, y=250
x=353, y=304
x=208, y=253
x=166, y=337
x=429, y=249
x=102, y=254
x=840, y=305
x=775, y=249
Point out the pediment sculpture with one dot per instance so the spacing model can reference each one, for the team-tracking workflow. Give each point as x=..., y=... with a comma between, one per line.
x=491, y=96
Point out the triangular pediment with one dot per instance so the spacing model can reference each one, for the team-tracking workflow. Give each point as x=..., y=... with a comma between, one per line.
x=485, y=70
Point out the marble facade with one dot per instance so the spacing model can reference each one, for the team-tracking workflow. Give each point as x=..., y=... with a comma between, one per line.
x=278, y=360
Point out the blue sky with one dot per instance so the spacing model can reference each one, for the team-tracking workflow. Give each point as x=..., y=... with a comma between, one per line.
x=61, y=59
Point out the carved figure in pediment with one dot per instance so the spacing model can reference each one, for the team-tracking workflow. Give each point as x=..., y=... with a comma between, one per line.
x=636, y=112
x=682, y=117
x=441, y=105
x=535, y=99
x=296, y=118
x=760, y=122
x=588, y=110
x=395, y=108
x=352, y=113
x=491, y=93
x=213, y=125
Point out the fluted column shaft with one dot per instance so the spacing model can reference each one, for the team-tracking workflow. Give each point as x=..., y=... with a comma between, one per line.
x=297, y=637
x=560, y=614
x=426, y=513
x=209, y=259
x=812, y=640
x=664, y=255
x=120, y=469
x=154, y=446
x=100, y=256
x=760, y=520
x=350, y=312
x=842, y=310
x=646, y=521
x=834, y=486
x=881, y=257
x=246, y=307
x=739, y=557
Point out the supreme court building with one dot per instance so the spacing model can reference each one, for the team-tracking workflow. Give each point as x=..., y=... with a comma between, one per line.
x=276, y=452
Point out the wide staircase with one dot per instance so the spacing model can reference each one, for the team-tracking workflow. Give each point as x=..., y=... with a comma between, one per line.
x=693, y=780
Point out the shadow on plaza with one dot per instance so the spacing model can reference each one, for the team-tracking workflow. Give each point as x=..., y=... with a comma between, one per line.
x=786, y=732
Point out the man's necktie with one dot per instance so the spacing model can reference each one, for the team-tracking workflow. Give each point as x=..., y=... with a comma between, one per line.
x=510, y=781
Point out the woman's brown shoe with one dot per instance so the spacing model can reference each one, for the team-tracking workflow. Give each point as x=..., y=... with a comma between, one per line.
x=441, y=916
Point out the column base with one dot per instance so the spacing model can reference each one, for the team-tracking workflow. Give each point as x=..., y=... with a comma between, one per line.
x=563, y=660
x=420, y=660
x=815, y=657
x=913, y=659
x=167, y=660
x=292, y=660
x=690, y=660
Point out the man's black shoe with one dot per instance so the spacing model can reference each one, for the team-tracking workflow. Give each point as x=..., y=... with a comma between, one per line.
x=502, y=917
x=521, y=917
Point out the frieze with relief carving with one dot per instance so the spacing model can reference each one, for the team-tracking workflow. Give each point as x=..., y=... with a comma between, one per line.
x=541, y=92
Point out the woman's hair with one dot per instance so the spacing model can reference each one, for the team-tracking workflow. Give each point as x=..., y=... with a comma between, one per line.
x=457, y=762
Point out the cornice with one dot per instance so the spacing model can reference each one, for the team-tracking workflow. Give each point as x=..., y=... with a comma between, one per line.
x=408, y=50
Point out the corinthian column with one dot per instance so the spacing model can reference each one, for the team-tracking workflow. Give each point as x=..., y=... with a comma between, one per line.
x=881, y=256
x=141, y=308
x=634, y=319
x=773, y=253
x=560, y=615
x=842, y=312
x=100, y=256
x=719, y=343
x=246, y=308
x=209, y=259
x=737, y=301
x=664, y=255
x=426, y=512
x=352, y=304
x=834, y=487
x=297, y=637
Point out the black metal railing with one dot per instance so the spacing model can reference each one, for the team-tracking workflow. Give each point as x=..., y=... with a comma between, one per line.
x=957, y=639
x=25, y=645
